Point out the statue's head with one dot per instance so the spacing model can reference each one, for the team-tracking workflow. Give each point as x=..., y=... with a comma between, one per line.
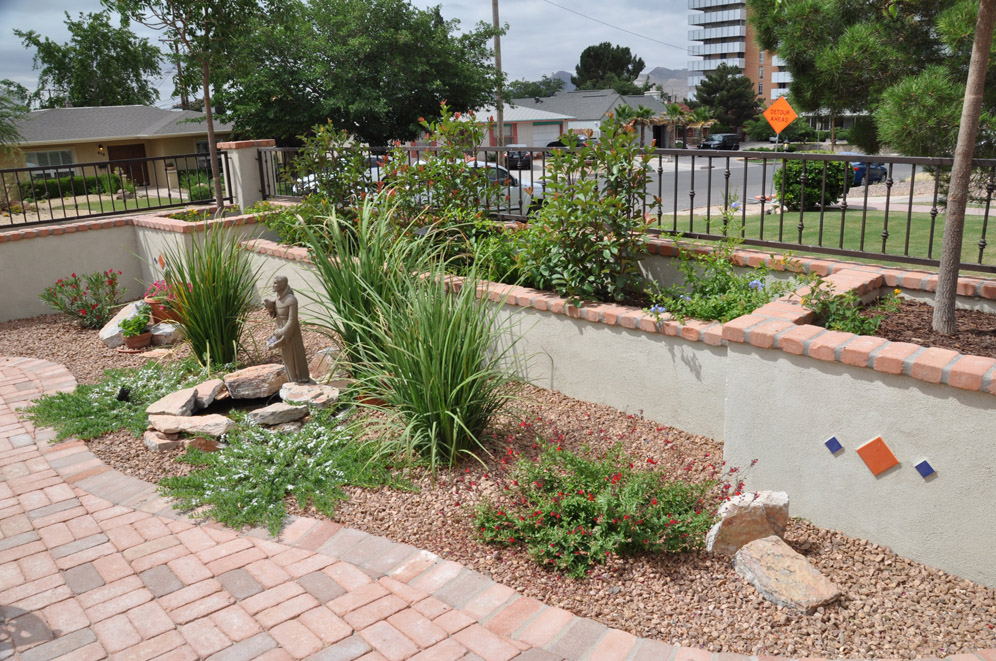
x=279, y=283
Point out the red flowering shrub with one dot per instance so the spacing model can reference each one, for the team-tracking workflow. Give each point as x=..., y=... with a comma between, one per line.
x=89, y=299
x=572, y=511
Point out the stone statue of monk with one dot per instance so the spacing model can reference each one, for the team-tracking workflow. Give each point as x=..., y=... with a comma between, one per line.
x=287, y=336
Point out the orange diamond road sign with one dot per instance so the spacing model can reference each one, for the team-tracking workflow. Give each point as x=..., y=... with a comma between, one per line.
x=780, y=114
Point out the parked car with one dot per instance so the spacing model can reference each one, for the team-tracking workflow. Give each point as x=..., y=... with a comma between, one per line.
x=518, y=158
x=721, y=141
x=877, y=172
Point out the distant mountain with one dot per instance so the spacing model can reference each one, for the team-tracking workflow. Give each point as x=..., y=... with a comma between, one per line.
x=674, y=82
x=566, y=77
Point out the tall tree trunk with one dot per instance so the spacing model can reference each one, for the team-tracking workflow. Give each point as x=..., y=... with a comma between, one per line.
x=212, y=146
x=499, y=101
x=947, y=277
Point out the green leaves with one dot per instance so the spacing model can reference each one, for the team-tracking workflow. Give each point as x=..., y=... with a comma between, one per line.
x=846, y=312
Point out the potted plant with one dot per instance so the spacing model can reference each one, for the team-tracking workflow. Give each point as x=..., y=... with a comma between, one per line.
x=133, y=330
x=162, y=302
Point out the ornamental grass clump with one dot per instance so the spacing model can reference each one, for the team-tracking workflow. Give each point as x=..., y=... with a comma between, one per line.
x=89, y=299
x=214, y=282
x=573, y=511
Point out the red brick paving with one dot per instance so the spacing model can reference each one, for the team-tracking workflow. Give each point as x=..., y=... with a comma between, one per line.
x=97, y=547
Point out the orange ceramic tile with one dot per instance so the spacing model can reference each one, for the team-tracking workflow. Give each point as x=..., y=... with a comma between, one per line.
x=877, y=455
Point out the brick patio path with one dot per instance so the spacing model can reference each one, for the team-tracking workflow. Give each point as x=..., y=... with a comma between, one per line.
x=94, y=564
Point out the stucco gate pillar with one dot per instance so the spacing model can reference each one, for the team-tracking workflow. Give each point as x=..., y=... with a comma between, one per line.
x=243, y=170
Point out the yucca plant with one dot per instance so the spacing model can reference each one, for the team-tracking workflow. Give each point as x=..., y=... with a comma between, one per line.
x=215, y=286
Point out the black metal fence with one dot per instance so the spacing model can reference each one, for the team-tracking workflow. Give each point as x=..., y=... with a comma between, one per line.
x=33, y=195
x=881, y=208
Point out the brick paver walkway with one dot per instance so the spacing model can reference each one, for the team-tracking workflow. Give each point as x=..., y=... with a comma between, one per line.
x=94, y=564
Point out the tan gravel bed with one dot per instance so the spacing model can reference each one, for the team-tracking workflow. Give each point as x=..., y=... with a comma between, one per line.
x=892, y=607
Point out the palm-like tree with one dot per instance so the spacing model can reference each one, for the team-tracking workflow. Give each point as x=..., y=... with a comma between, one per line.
x=676, y=116
x=701, y=118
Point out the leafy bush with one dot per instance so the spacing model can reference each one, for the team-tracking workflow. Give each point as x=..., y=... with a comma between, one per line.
x=247, y=483
x=118, y=401
x=200, y=192
x=588, y=238
x=779, y=149
x=332, y=165
x=89, y=299
x=572, y=512
x=791, y=173
x=714, y=290
x=56, y=187
x=292, y=223
x=200, y=215
x=846, y=312
x=215, y=286
x=843, y=135
x=136, y=325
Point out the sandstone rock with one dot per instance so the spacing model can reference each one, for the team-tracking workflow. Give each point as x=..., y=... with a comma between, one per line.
x=315, y=396
x=166, y=333
x=208, y=425
x=278, y=413
x=159, y=442
x=255, y=382
x=110, y=334
x=328, y=364
x=289, y=427
x=202, y=444
x=747, y=517
x=782, y=576
x=207, y=392
x=157, y=354
x=180, y=402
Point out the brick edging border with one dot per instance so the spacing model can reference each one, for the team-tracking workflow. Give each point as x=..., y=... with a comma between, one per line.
x=150, y=221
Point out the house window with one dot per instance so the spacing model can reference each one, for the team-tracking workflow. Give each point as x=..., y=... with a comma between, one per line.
x=760, y=87
x=509, y=133
x=762, y=57
x=49, y=159
x=203, y=162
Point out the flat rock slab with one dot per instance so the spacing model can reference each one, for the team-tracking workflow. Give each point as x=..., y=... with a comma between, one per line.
x=158, y=441
x=166, y=333
x=255, y=382
x=180, y=402
x=207, y=392
x=747, y=517
x=205, y=425
x=782, y=576
x=279, y=413
x=314, y=395
x=110, y=334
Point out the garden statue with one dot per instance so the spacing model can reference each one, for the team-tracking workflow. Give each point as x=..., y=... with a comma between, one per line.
x=287, y=336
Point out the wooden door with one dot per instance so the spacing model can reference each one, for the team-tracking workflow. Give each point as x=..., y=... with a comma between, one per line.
x=136, y=171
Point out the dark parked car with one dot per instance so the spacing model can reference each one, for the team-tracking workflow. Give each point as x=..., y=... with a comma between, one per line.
x=721, y=141
x=877, y=172
x=519, y=159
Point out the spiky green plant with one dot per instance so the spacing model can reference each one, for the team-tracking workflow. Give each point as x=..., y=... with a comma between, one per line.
x=215, y=286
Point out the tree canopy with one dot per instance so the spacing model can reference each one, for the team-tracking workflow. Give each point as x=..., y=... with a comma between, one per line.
x=546, y=86
x=606, y=66
x=730, y=95
x=371, y=67
x=13, y=105
x=906, y=68
x=100, y=65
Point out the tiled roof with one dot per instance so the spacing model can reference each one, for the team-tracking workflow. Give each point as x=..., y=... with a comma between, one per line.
x=522, y=114
x=110, y=123
x=588, y=105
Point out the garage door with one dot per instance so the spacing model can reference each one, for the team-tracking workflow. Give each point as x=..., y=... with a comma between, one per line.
x=544, y=134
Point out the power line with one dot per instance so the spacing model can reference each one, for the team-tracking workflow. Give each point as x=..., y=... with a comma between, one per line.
x=616, y=27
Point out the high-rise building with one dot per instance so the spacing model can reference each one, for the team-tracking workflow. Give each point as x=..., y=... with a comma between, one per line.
x=724, y=36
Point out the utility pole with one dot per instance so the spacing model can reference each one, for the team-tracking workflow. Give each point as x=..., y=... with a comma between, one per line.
x=499, y=102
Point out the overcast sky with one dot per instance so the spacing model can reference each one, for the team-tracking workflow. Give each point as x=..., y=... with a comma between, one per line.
x=542, y=37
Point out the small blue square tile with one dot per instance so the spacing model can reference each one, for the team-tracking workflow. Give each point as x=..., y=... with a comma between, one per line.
x=833, y=445
x=925, y=469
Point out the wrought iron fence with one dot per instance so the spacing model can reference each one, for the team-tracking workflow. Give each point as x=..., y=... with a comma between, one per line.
x=33, y=195
x=882, y=208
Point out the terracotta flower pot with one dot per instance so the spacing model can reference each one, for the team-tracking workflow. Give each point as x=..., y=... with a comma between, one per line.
x=159, y=312
x=138, y=341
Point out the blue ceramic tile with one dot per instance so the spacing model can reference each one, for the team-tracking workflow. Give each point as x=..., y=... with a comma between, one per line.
x=833, y=445
x=925, y=469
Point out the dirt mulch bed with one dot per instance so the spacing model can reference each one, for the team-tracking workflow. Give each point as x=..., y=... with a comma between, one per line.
x=892, y=607
x=913, y=323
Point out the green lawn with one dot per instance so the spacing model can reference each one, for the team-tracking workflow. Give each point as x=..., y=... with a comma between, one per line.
x=920, y=244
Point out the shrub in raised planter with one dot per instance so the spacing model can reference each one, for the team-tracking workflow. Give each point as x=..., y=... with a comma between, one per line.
x=201, y=192
x=791, y=174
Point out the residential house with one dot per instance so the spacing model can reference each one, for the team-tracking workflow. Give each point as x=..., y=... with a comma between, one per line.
x=526, y=126
x=66, y=139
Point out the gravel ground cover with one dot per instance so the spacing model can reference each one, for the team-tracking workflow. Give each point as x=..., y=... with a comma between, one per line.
x=891, y=607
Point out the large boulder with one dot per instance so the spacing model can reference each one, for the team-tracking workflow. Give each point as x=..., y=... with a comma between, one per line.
x=314, y=395
x=166, y=332
x=207, y=392
x=110, y=334
x=180, y=402
x=279, y=413
x=747, y=517
x=782, y=576
x=255, y=382
x=158, y=441
x=203, y=425
x=328, y=365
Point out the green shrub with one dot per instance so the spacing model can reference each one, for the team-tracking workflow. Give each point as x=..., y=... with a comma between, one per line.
x=571, y=511
x=200, y=192
x=846, y=312
x=588, y=239
x=713, y=289
x=136, y=325
x=247, y=483
x=843, y=135
x=90, y=299
x=215, y=286
x=791, y=173
x=332, y=165
x=291, y=223
x=56, y=187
